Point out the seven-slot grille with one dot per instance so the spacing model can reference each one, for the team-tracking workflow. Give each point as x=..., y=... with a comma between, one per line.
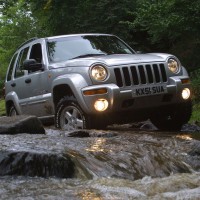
x=140, y=74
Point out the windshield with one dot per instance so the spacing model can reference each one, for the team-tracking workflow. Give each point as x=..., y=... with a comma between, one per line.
x=63, y=49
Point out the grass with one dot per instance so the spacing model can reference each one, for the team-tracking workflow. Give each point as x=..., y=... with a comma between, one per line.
x=2, y=107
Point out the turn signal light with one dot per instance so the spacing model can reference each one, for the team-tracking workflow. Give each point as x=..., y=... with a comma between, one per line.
x=96, y=91
x=185, y=81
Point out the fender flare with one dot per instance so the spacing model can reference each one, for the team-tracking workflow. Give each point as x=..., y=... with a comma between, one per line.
x=12, y=97
x=76, y=82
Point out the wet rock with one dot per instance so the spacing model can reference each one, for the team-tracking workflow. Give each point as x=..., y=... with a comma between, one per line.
x=145, y=125
x=148, y=126
x=106, y=134
x=137, y=125
x=21, y=124
x=90, y=133
x=78, y=133
x=190, y=128
x=36, y=164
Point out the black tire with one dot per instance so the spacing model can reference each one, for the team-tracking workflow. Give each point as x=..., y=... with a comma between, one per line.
x=12, y=111
x=69, y=116
x=172, y=119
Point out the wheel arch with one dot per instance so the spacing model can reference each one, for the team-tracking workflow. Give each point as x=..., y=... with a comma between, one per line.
x=12, y=99
x=69, y=85
x=60, y=91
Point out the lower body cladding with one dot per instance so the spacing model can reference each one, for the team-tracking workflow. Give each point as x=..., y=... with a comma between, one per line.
x=168, y=106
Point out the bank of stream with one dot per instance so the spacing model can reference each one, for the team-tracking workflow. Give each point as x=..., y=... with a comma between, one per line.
x=118, y=163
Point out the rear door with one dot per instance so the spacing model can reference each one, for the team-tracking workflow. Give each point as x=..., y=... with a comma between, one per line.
x=18, y=83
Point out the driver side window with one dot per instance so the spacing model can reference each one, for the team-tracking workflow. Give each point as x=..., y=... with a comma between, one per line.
x=36, y=52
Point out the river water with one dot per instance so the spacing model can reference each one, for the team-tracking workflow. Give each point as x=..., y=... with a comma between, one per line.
x=118, y=163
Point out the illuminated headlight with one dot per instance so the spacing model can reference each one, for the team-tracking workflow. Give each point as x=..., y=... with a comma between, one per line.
x=173, y=65
x=99, y=73
x=186, y=93
x=101, y=105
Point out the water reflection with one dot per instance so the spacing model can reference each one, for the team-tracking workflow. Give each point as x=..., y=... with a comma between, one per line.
x=184, y=137
x=89, y=195
x=98, y=146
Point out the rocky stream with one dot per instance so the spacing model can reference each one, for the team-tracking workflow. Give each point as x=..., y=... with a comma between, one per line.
x=132, y=161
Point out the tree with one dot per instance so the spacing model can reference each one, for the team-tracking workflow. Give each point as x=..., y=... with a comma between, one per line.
x=16, y=26
x=81, y=16
x=171, y=26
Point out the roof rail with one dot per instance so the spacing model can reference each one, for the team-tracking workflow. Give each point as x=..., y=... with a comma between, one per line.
x=30, y=40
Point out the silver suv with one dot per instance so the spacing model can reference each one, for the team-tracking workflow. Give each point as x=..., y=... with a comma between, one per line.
x=93, y=80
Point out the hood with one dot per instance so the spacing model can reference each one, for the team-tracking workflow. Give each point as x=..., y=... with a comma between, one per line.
x=123, y=59
x=115, y=59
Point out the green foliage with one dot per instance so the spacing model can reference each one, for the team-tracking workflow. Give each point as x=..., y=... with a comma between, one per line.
x=1, y=87
x=2, y=107
x=16, y=26
x=195, y=77
x=167, y=19
x=195, y=118
x=80, y=16
x=169, y=26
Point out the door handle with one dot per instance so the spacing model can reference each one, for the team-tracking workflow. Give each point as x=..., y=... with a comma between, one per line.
x=13, y=84
x=28, y=80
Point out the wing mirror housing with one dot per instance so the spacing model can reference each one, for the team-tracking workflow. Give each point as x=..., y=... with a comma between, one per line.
x=32, y=65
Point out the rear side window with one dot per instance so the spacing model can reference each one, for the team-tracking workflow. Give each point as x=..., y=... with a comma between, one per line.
x=12, y=64
x=19, y=67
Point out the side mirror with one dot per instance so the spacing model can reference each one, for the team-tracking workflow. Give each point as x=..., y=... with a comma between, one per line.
x=32, y=65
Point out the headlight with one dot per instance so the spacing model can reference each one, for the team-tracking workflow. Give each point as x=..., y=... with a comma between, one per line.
x=99, y=73
x=173, y=65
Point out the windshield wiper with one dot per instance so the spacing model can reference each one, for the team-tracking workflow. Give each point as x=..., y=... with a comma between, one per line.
x=88, y=55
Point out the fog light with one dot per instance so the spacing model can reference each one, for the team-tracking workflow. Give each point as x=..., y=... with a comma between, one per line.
x=101, y=105
x=186, y=93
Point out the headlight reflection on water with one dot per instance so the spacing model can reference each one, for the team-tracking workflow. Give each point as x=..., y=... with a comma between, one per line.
x=184, y=137
x=88, y=195
x=98, y=145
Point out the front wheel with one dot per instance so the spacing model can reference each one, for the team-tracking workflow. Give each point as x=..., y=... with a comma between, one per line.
x=172, y=119
x=69, y=116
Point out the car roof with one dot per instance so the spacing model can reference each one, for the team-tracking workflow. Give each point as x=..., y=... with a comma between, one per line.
x=83, y=34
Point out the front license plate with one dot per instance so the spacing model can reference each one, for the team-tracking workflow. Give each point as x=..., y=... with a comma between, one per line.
x=150, y=90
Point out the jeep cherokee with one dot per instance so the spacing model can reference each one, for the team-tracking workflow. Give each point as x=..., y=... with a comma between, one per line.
x=87, y=81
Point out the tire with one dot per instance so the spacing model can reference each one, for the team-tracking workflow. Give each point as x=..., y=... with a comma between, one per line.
x=69, y=116
x=12, y=111
x=172, y=119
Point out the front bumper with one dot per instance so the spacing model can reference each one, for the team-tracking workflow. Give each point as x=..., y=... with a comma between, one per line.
x=127, y=99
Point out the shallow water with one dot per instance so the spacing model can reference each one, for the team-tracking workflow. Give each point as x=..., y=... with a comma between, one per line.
x=118, y=163
x=178, y=186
